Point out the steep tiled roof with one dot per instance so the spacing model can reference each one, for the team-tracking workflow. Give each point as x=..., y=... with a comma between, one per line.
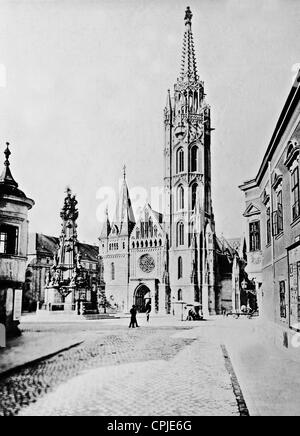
x=48, y=245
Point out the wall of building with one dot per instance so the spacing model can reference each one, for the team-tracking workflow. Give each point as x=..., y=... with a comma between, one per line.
x=274, y=269
x=117, y=289
x=12, y=267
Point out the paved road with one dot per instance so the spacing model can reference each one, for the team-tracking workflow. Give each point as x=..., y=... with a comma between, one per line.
x=159, y=370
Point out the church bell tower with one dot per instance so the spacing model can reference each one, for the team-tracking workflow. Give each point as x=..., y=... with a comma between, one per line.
x=187, y=182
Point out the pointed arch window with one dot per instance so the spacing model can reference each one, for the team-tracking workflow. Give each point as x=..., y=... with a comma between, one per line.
x=191, y=232
x=194, y=158
x=180, y=198
x=150, y=228
x=179, y=267
x=113, y=272
x=142, y=229
x=137, y=233
x=180, y=233
x=180, y=160
x=194, y=195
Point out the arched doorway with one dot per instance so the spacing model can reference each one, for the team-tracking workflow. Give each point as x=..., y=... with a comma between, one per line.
x=141, y=298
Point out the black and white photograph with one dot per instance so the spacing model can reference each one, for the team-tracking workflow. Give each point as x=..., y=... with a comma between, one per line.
x=149, y=211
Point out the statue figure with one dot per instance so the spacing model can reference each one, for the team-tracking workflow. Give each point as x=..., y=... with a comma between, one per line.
x=48, y=277
x=73, y=279
x=78, y=260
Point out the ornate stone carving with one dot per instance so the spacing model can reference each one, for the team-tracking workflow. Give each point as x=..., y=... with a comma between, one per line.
x=147, y=263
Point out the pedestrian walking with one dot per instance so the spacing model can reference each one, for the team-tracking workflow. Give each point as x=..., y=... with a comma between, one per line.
x=148, y=310
x=133, y=320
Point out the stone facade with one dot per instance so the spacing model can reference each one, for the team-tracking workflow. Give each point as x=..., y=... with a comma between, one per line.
x=173, y=259
x=14, y=206
x=272, y=219
x=42, y=250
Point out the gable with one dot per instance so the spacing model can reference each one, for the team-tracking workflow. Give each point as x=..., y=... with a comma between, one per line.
x=148, y=214
x=251, y=210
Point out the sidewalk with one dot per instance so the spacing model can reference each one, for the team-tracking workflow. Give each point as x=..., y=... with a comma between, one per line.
x=268, y=375
x=34, y=346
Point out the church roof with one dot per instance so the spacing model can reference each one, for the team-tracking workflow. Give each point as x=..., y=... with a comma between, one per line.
x=106, y=226
x=159, y=216
x=188, y=63
x=124, y=218
x=228, y=246
x=47, y=246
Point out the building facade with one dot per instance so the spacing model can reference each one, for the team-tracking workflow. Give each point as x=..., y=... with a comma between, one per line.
x=172, y=259
x=42, y=250
x=272, y=218
x=14, y=207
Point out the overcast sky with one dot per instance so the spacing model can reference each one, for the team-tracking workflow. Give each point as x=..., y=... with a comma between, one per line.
x=83, y=85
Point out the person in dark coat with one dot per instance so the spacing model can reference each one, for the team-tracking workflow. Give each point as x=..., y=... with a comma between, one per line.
x=148, y=310
x=133, y=320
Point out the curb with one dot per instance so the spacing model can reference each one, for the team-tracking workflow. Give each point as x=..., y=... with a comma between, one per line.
x=11, y=371
x=243, y=409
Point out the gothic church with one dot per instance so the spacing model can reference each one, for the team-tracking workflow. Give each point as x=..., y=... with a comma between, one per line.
x=172, y=260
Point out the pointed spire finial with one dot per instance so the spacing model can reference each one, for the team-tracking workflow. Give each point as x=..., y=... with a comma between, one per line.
x=188, y=16
x=7, y=153
x=68, y=191
x=188, y=61
x=124, y=171
x=6, y=176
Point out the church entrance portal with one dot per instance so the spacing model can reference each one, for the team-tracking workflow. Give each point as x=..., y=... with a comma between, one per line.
x=141, y=298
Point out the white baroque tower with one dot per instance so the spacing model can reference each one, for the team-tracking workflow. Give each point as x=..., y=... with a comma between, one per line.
x=189, y=220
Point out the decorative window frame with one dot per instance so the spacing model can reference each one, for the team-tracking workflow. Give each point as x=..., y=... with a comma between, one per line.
x=292, y=162
x=292, y=154
x=179, y=268
x=194, y=146
x=255, y=247
x=180, y=160
x=277, y=214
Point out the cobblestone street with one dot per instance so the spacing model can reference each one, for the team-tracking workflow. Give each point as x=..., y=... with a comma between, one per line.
x=153, y=370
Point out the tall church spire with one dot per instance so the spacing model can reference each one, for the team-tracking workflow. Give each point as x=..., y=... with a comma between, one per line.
x=188, y=64
x=124, y=214
x=106, y=226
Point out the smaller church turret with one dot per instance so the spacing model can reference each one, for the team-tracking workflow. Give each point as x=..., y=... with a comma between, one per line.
x=115, y=250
